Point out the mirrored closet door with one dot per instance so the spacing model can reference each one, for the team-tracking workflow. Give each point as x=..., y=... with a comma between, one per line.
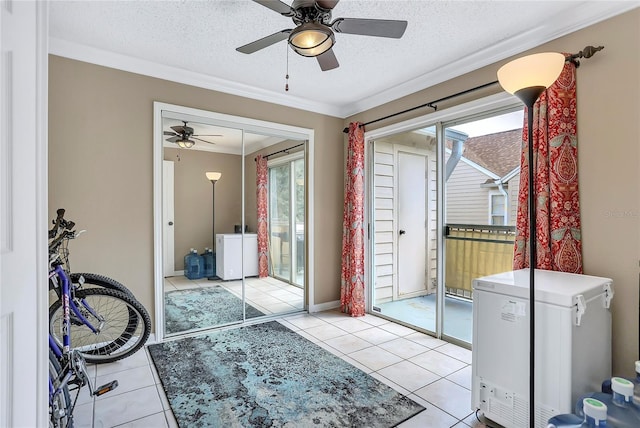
x=230, y=227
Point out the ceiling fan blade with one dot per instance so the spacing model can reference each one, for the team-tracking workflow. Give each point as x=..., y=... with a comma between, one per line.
x=204, y=141
x=173, y=139
x=264, y=42
x=278, y=6
x=328, y=60
x=207, y=135
x=327, y=4
x=179, y=129
x=169, y=133
x=370, y=27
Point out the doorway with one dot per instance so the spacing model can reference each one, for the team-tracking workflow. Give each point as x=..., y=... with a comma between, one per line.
x=413, y=212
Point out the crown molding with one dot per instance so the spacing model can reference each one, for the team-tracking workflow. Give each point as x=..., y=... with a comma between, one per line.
x=130, y=64
x=589, y=13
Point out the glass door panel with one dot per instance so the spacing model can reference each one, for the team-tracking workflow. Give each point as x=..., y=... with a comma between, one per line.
x=405, y=228
x=299, y=210
x=203, y=285
x=482, y=160
x=287, y=219
x=279, y=221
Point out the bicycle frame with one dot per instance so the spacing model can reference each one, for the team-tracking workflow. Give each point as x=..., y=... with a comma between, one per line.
x=69, y=304
x=73, y=368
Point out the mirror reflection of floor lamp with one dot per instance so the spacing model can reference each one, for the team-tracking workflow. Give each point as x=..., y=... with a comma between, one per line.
x=527, y=78
x=213, y=177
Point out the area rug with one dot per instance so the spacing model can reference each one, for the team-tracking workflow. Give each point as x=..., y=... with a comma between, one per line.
x=203, y=307
x=266, y=375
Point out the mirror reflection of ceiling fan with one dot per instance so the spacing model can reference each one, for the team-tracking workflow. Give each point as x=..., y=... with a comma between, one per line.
x=183, y=136
x=314, y=36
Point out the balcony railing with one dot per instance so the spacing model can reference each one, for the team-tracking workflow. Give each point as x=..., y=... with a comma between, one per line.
x=475, y=250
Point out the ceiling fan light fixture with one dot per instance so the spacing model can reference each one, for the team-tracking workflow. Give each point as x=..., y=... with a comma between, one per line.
x=311, y=39
x=185, y=144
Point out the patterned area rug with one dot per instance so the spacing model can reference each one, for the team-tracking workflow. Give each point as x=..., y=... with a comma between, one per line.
x=203, y=307
x=265, y=375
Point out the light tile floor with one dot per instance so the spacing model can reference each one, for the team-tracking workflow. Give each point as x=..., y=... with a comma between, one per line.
x=432, y=372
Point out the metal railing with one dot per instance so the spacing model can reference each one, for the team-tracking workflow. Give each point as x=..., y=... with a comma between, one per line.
x=475, y=250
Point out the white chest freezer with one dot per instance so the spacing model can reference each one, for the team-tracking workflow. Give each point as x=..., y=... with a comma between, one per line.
x=232, y=256
x=572, y=343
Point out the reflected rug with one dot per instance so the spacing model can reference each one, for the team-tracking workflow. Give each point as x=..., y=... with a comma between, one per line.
x=203, y=307
x=266, y=375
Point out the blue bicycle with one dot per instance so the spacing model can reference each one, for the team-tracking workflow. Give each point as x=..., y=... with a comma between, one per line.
x=67, y=367
x=106, y=322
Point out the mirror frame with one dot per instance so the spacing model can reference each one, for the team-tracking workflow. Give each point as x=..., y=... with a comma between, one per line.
x=246, y=125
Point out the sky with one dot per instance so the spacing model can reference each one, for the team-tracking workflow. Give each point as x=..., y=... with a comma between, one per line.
x=505, y=122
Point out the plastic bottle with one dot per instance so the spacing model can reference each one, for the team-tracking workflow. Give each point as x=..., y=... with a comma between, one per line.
x=622, y=412
x=207, y=256
x=194, y=265
x=606, y=385
x=595, y=416
x=187, y=260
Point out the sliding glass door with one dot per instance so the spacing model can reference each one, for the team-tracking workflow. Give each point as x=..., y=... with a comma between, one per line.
x=442, y=213
x=286, y=218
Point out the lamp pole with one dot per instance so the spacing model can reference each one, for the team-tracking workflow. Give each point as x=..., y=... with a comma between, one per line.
x=527, y=78
x=213, y=177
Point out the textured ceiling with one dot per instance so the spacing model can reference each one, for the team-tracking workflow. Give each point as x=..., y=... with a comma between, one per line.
x=194, y=42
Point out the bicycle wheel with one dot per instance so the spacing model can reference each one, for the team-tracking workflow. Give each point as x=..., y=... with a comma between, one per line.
x=124, y=325
x=60, y=404
x=94, y=279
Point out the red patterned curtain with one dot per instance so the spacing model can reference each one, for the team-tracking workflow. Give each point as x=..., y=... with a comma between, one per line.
x=559, y=241
x=352, y=283
x=262, y=192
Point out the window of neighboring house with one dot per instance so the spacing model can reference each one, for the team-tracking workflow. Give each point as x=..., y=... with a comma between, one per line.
x=497, y=214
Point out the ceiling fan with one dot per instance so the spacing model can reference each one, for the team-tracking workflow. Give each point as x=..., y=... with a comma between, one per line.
x=182, y=135
x=314, y=36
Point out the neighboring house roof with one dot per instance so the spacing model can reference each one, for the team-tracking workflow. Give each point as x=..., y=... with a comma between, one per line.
x=499, y=152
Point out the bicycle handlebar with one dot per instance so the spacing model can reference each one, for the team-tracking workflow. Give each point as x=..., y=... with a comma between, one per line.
x=56, y=223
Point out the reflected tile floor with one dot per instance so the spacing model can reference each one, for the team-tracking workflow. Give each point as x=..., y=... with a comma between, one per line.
x=268, y=295
x=429, y=371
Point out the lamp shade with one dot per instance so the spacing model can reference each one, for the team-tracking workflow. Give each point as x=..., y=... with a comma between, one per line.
x=311, y=39
x=537, y=70
x=214, y=176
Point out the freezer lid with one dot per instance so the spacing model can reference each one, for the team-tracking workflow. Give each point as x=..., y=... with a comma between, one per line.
x=558, y=288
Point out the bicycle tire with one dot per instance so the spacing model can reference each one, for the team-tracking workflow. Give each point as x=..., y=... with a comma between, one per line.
x=126, y=327
x=94, y=279
x=61, y=402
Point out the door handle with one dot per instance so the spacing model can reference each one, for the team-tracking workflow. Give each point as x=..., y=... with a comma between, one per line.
x=402, y=232
x=170, y=223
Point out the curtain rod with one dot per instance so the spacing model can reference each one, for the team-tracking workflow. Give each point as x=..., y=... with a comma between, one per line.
x=587, y=52
x=279, y=151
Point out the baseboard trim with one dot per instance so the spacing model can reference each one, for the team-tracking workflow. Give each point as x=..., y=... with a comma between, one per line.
x=324, y=306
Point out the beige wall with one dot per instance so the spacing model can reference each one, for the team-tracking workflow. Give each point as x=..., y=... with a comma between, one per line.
x=193, y=194
x=100, y=168
x=609, y=159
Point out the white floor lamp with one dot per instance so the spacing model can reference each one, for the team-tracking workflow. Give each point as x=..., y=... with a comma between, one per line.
x=527, y=78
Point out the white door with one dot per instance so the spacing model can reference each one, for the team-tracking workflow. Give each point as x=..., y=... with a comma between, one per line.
x=168, y=255
x=23, y=214
x=411, y=231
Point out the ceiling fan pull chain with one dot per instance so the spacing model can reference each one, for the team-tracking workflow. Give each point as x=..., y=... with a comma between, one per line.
x=286, y=86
